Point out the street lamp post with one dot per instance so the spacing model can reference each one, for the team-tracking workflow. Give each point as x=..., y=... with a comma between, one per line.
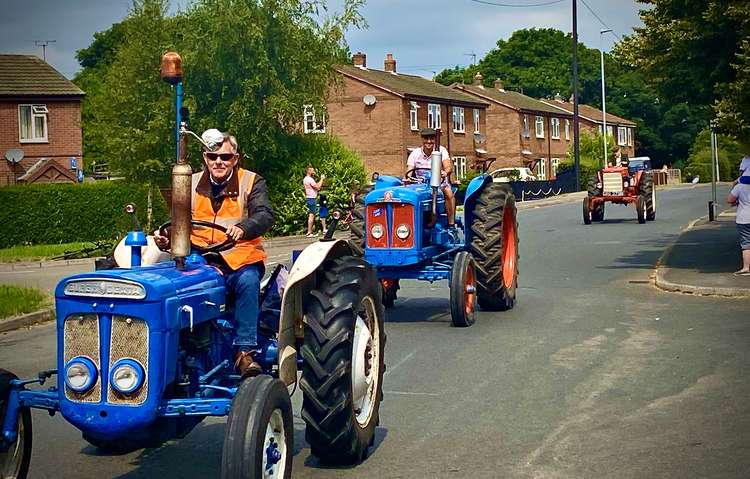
x=604, y=102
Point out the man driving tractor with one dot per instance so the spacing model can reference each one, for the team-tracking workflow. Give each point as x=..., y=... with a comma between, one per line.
x=237, y=199
x=419, y=159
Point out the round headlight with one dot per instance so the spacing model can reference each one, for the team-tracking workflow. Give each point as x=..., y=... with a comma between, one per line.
x=403, y=231
x=127, y=376
x=625, y=183
x=377, y=231
x=80, y=374
x=599, y=184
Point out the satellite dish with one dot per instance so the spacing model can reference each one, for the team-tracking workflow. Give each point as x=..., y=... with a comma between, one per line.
x=369, y=100
x=14, y=155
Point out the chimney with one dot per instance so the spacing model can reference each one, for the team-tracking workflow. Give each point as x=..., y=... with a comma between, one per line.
x=390, y=63
x=499, y=85
x=478, y=80
x=570, y=100
x=360, y=60
x=559, y=98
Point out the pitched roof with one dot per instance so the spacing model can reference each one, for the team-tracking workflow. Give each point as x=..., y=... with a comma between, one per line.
x=26, y=75
x=408, y=86
x=589, y=112
x=51, y=172
x=512, y=99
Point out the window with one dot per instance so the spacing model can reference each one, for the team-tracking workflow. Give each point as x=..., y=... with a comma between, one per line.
x=542, y=169
x=459, y=122
x=459, y=167
x=433, y=116
x=476, y=120
x=413, y=115
x=630, y=137
x=32, y=123
x=539, y=127
x=610, y=130
x=555, y=164
x=312, y=123
x=622, y=135
x=526, y=126
x=567, y=129
x=555, y=127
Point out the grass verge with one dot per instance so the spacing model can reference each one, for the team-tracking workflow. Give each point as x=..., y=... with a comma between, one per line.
x=15, y=300
x=39, y=252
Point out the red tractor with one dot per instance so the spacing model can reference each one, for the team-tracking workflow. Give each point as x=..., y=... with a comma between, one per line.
x=622, y=185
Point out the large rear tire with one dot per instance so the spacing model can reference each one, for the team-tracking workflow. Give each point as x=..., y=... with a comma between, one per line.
x=357, y=226
x=640, y=208
x=587, y=213
x=494, y=246
x=597, y=214
x=463, y=290
x=647, y=190
x=342, y=372
x=259, y=436
x=14, y=463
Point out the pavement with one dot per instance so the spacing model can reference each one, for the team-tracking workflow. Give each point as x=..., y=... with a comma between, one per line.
x=699, y=262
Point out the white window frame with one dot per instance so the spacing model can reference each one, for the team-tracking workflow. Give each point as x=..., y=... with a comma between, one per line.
x=622, y=136
x=526, y=131
x=36, y=111
x=433, y=115
x=413, y=121
x=611, y=131
x=459, y=119
x=459, y=167
x=537, y=124
x=630, y=137
x=555, y=166
x=567, y=129
x=312, y=124
x=542, y=169
x=555, y=127
x=476, y=120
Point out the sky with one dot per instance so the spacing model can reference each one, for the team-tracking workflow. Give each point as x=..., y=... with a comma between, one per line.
x=424, y=36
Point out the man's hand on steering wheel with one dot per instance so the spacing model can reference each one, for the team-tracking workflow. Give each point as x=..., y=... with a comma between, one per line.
x=233, y=233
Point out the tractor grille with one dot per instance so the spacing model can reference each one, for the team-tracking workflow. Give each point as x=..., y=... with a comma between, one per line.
x=612, y=183
x=129, y=340
x=81, y=338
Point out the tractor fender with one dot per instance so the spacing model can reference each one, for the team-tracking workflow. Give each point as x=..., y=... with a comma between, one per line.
x=301, y=281
x=472, y=192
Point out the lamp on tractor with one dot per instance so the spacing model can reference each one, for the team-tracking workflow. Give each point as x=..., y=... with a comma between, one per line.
x=145, y=351
x=401, y=228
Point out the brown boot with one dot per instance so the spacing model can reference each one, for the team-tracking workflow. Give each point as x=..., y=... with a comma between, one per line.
x=246, y=365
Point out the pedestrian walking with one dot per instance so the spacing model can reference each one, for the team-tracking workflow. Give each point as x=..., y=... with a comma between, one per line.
x=740, y=197
x=311, y=194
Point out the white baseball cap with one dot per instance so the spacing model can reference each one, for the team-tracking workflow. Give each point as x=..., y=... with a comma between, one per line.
x=212, y=139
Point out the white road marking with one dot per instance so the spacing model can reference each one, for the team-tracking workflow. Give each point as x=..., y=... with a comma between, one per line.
x=390, y=369
x=409, y=393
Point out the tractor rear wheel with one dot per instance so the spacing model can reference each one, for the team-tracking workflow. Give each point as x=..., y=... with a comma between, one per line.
x=494, y=246
x=646, y=189
x=342, y=371
x=597, y=214
x=259, y=436
x=14, y=463
x=587, y=213
x=357, y=226
x=463, y=290
x=640, y=208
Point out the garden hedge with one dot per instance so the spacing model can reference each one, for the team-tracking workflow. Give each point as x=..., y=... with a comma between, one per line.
x=63, y=213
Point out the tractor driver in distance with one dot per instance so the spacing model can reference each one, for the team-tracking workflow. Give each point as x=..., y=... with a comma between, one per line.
x=225, y=194
x=420, y=158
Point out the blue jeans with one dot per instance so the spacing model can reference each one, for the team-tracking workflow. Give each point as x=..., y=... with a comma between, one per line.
x=245, y=282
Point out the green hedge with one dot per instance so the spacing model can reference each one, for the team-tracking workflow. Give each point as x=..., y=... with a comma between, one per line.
x=63, y=213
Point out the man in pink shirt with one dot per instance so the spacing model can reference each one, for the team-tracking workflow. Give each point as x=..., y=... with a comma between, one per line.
x=311, y=193
x=421, y=159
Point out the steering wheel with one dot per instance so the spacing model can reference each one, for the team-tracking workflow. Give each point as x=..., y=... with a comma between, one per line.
x=212, y=248
x=411, y=175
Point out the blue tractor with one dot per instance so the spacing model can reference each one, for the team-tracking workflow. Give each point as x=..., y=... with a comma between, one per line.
x=144, y=354
x=401, y=228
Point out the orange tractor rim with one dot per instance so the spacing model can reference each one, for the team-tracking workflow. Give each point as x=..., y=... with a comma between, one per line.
x=469, y=289
x=509, y=248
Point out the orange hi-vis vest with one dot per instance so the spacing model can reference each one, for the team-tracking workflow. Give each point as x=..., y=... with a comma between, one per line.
x=233, y=210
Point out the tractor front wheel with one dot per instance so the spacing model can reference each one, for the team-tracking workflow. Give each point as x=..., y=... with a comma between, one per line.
x=463, y=290
x=342, y=370
x=259, y=436
x=494, y=246
x=14, y=463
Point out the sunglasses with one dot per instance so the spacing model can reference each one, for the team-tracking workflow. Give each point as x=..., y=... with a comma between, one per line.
x=225, y=157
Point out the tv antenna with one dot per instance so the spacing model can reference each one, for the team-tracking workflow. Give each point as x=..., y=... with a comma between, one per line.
x=473, y=57
x=43, y=44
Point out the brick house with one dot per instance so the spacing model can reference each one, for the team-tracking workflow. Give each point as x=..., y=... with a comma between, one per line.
x=378, y=114
x=522, y=131
x=590, y=119
x=40, y=114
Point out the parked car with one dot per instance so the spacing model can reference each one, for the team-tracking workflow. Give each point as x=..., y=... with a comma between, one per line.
x=516, y=173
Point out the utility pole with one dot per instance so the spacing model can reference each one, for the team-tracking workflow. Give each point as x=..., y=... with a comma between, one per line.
x=604, y=102
x=576, y=146
x=43, y=44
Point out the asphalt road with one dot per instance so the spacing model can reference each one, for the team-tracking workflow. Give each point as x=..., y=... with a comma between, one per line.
x=594, y=374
